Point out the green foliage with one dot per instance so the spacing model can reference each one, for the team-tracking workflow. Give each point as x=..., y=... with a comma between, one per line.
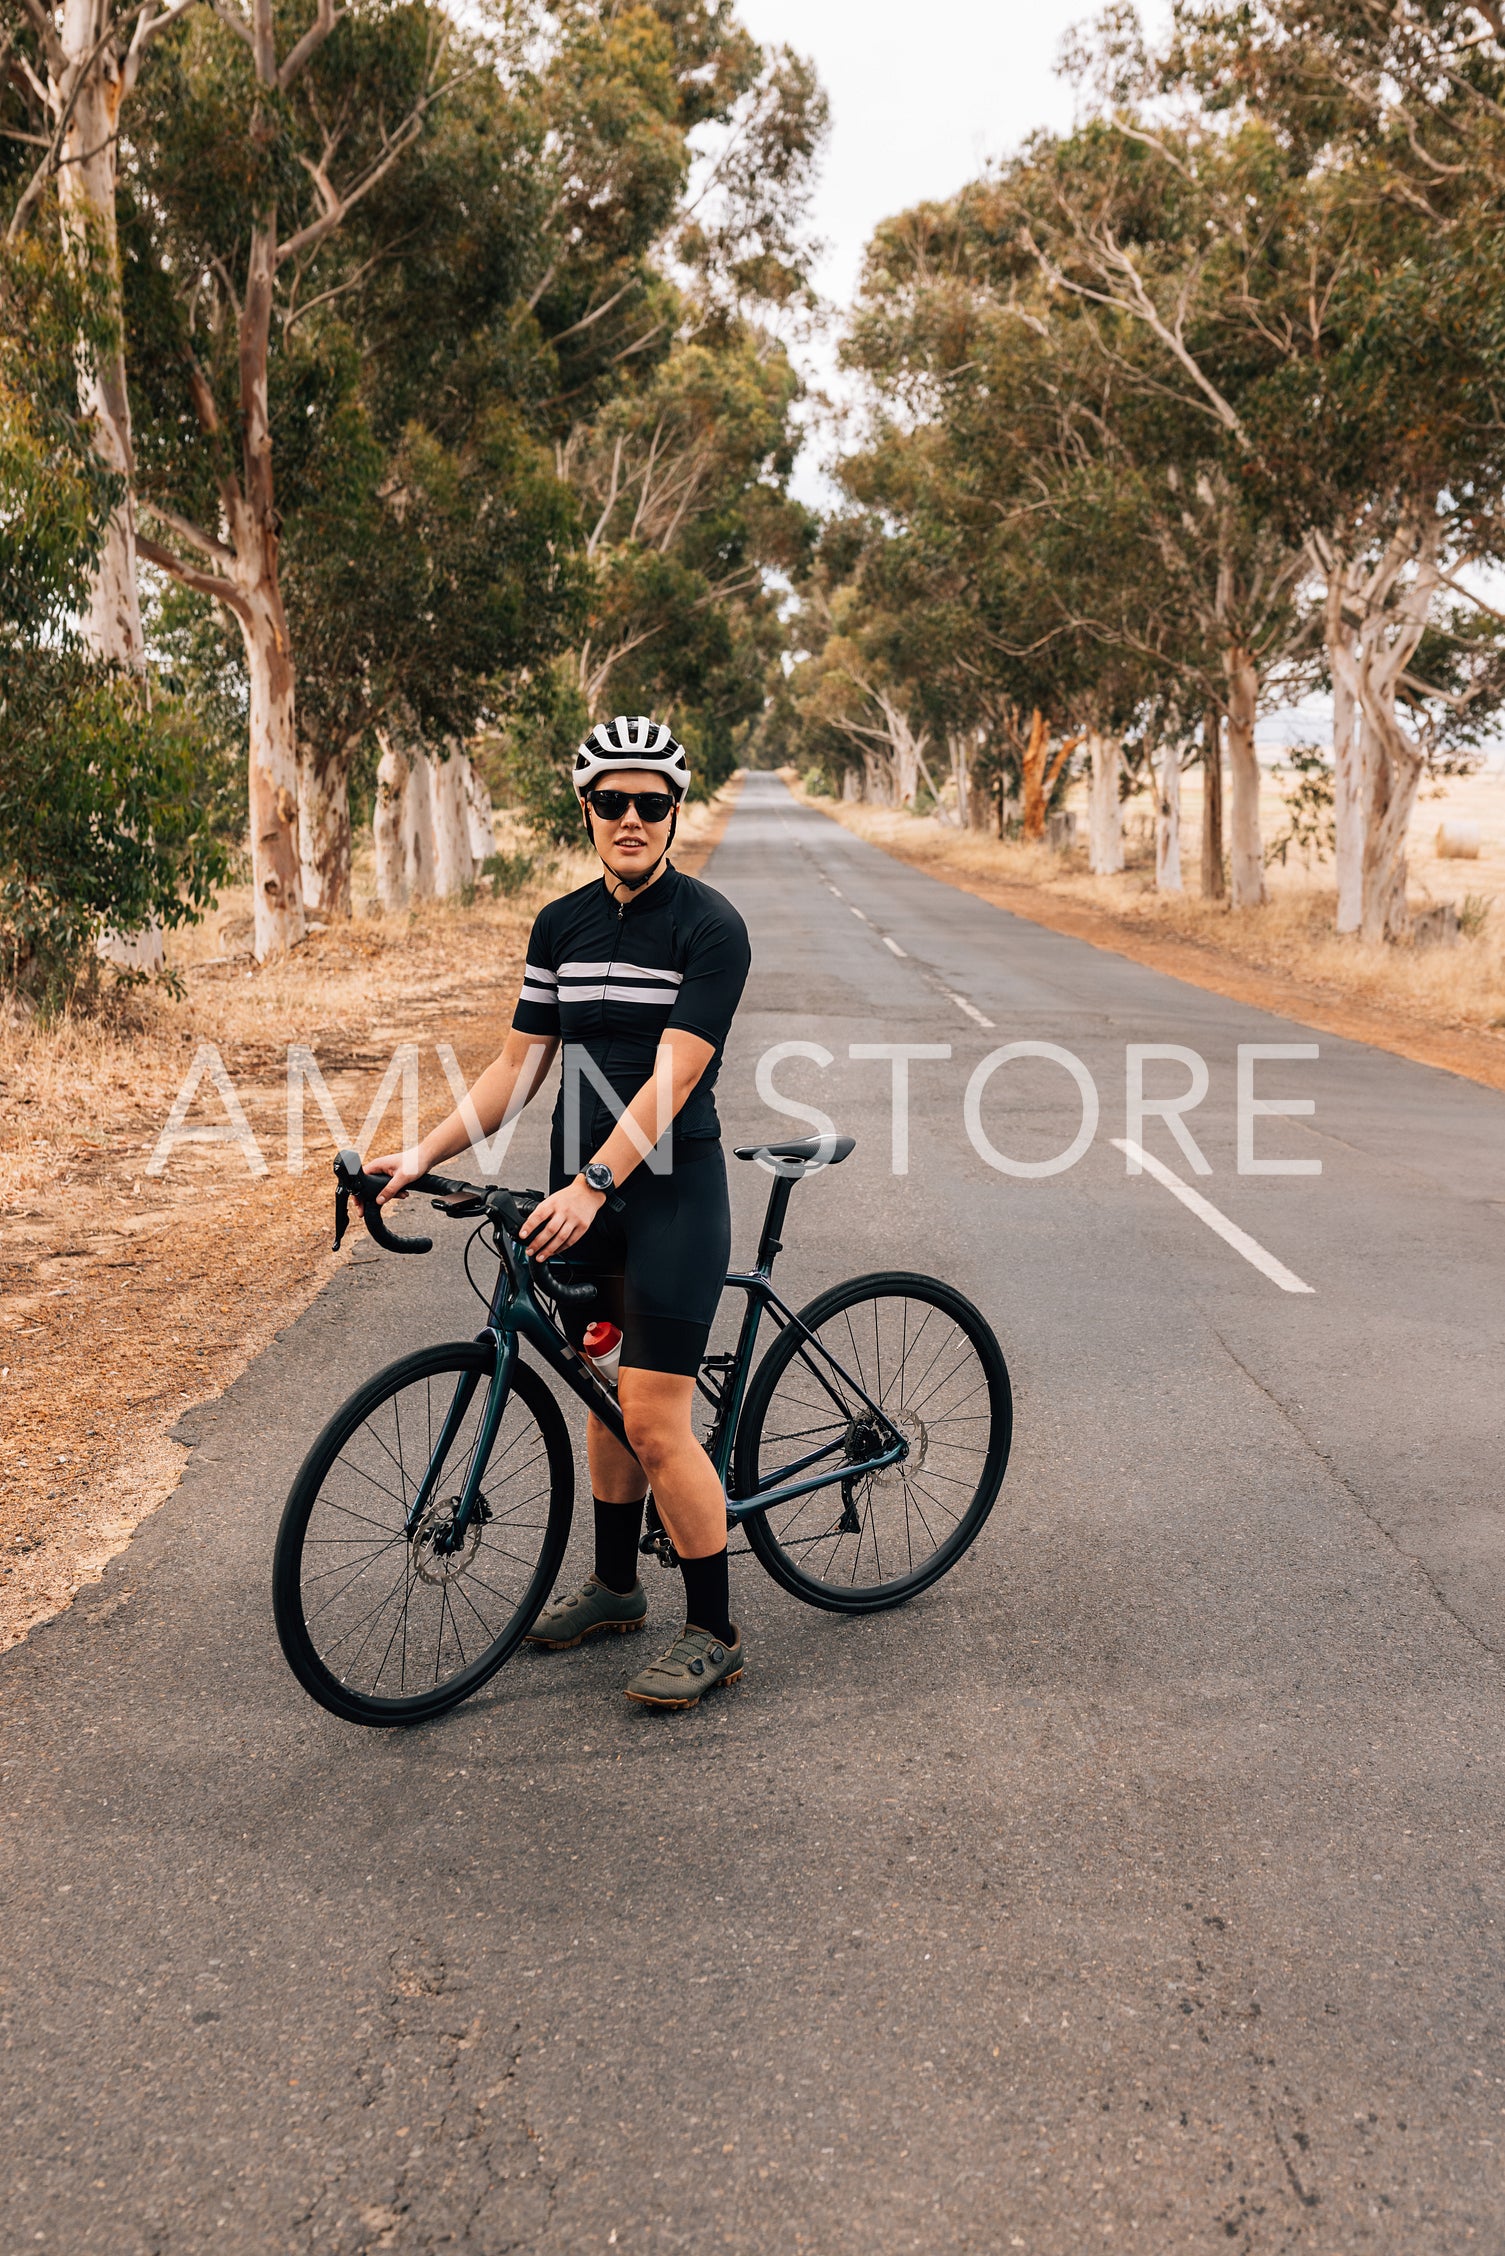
x=104, y=818
x=509, y=873
x=517, y=303
x=101, y=823
x=1308, y=805
x=55, y=494
x=548, y=718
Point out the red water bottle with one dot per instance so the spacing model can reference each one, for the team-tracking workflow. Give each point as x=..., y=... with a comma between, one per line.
x=602, y=1348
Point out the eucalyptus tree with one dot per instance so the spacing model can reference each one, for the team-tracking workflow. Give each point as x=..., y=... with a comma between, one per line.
x=259, y=131
x=683, y=486
x=1328, y=317
x=102, y=819
x=73, y=66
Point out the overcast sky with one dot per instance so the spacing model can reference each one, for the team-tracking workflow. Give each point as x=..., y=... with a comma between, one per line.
x=922, y=94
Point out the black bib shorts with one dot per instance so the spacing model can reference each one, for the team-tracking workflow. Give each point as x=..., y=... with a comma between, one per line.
x=658, y=1266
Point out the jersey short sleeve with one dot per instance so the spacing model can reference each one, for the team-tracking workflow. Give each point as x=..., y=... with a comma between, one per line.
x=717, y=962
x=537, y=1009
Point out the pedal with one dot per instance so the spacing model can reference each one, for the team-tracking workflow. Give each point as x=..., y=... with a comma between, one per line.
x=655, y=1544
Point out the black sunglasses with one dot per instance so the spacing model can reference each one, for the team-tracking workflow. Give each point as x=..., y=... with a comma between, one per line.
x=611, y=806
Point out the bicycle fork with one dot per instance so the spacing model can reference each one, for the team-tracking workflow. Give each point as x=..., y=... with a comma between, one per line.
x=449, y=1540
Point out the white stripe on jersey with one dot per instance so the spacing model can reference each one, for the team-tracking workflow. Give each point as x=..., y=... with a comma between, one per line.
x=613, y=991
x=618, y=965
x=531, y=994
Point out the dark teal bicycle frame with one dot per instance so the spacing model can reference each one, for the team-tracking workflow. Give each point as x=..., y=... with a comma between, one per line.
x=514, y=1314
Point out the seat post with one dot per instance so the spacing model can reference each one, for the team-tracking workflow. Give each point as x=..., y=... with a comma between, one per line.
x=773, y=1220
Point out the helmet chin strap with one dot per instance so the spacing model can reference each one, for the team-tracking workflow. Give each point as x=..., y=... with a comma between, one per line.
x=633, y=884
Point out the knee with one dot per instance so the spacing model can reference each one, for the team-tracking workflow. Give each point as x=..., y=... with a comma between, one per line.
x=650, y=1436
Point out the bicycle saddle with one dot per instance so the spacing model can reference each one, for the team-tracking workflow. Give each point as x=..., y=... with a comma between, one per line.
x=812, y=1151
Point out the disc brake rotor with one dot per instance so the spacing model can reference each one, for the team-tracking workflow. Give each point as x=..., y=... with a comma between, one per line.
x=437, y=1556
x=865, y=1441
x=915, y=1432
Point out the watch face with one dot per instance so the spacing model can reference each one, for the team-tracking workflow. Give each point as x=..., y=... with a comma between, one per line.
x=598, y=1176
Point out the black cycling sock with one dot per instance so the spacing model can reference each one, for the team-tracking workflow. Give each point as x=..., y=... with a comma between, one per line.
x=707, y=1598
x=618, y=1527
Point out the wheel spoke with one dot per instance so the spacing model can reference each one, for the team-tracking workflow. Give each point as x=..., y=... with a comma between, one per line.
x=383, y=1631
x=927, y=1366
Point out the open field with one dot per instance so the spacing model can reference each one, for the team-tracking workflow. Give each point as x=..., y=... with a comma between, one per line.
x=1441, y=1004
x=126, y=1298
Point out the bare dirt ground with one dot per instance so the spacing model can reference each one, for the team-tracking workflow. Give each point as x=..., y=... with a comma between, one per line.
x=1439, y=1004
x=126, y=1298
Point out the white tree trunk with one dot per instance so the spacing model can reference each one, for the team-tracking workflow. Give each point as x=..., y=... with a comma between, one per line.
x=1348, y=805
x=906, y=768
x=1245, y=848
x=1393, y=769
x=851, y=785
x=454, y=864
x=1105, y=825
x=1168, y=822
x=418, y=829
x=480, y=817
x=957, y=747
x=1349, y=792
x=111, y=624
x=388, y=822
x=877, y=778
x=1392, y=610
x=86, y=194
x=276, y=874
x=324, y=844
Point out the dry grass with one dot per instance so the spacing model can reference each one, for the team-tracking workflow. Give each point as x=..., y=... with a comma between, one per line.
x=126, y=1298
x=1292, y=939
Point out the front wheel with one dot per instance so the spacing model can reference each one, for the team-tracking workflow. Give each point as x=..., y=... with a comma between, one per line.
x=928, y=1359
x=389, y=1615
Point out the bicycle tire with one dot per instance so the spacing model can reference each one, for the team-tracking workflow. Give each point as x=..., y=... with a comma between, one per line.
x=788, y=1550
x=535, y=1517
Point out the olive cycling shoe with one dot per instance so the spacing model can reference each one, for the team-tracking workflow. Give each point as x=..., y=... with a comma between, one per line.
x=593, y=1611
x=695, y=1664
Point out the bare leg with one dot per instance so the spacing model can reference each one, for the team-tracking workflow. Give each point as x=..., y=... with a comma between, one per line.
x=616, y=1475
x=656, y=1407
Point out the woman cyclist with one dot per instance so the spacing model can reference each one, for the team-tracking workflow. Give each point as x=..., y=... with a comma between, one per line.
x=638, y=974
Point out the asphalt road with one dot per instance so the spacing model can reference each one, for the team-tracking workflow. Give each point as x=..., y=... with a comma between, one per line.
x=1138, y=1886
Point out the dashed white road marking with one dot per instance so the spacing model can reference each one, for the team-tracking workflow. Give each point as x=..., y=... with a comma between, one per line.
x=1205, y=1211
x=962, y=1004
x=971, y=1010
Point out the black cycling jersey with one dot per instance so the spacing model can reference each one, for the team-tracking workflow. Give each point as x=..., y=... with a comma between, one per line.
x=609, y=978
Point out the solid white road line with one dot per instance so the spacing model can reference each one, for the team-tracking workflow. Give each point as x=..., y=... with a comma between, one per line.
x=893, y=946
x=1205, y=1211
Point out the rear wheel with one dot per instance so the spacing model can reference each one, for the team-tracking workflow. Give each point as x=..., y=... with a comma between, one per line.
x=384, y=1621
x=929, y=1361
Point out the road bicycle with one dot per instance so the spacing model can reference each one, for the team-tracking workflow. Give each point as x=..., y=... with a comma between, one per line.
x=429, y=1520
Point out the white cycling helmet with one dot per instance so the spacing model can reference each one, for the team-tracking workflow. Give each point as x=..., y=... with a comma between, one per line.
x=632, y=741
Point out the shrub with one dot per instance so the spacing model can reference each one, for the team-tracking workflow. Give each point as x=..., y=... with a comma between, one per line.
x=102, y=819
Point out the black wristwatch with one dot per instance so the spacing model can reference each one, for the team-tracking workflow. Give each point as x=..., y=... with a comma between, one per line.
x=600, y=1177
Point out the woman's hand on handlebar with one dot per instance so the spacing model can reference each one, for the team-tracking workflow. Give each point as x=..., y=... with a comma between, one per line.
x=402, y=1167
x=561, y=1218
